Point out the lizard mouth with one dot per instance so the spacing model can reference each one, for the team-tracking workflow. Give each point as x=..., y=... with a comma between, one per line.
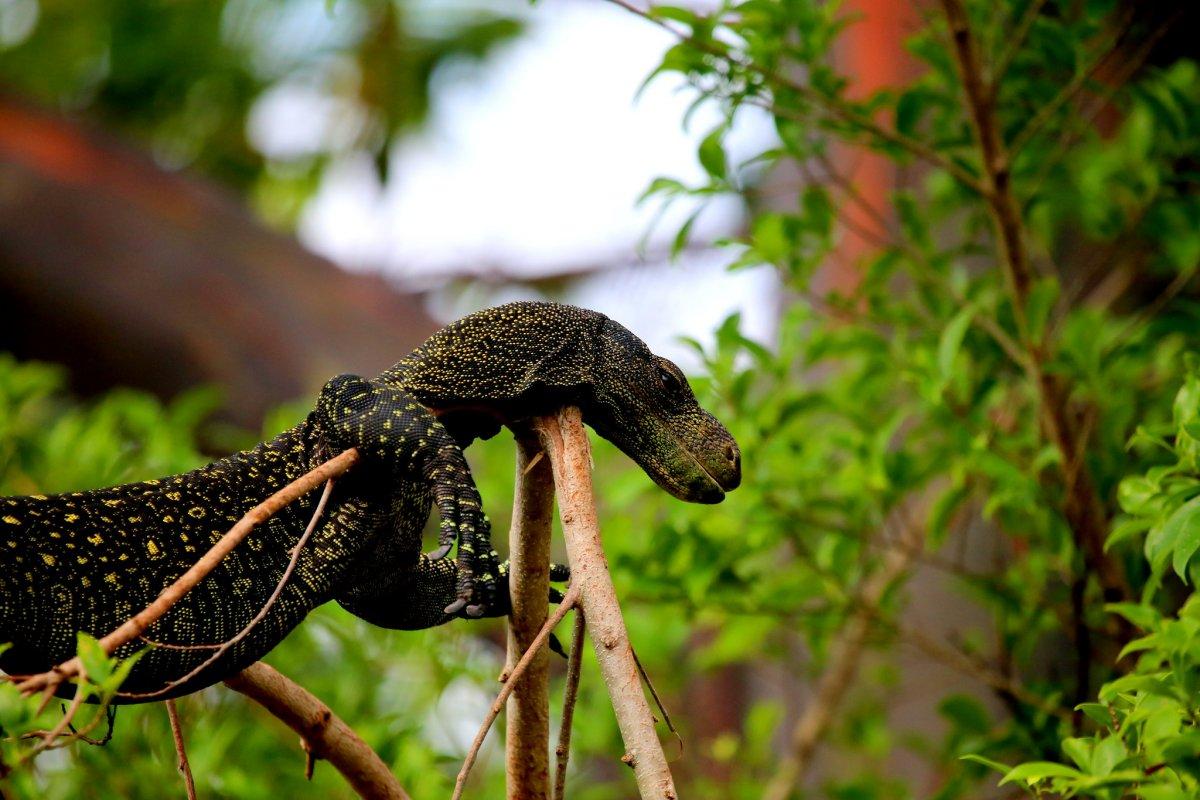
x=699, y=487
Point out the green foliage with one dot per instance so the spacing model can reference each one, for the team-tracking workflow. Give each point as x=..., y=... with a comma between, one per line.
x=918, y=398
x=911, y=411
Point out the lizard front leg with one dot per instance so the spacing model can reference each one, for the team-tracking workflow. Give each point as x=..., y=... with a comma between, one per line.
x=401, y=438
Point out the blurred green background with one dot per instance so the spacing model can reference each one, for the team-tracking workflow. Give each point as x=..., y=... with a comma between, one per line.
x=903, y=600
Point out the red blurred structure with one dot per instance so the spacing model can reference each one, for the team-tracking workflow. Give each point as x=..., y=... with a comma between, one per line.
x=133, y=275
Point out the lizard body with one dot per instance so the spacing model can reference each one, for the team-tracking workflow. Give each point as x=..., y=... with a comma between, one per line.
x=86, y=561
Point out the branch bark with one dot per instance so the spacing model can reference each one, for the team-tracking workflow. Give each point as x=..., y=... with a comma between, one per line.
x=324, y=732
x=562, y=752
x=184, y=767
x=564, y=439
x=528, y=723
x=1082, y=505
x=569, y=601
x=137, y=625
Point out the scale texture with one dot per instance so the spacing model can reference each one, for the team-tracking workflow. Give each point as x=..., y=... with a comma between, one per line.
x=87, y=561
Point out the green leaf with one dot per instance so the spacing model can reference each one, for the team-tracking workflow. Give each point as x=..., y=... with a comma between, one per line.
x=1181, y=532
x=1042, y=298
x=1079, y=751
x=124, y=667
x=1144, y=616
x=95, y=662
x=1097, y=712
x=712, y=154
x=1183, y=528
x=683, y=235
x=1106, y=755
x=951, y=340
x=987, y=762
x=1036, y=771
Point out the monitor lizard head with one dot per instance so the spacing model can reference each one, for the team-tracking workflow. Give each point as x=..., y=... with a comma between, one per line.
x=520, y=360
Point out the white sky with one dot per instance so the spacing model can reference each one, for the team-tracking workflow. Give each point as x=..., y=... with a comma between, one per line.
x=532, y=166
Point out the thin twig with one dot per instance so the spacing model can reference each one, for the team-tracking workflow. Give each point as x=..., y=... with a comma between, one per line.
x=569, y=601
x=1074, y=86
x=658, y=702
x=81, y=692
x=185, y=768
x=831, y=107
x=562, y=750
x=137, y=625
x=1015, y=43
x=262, y=612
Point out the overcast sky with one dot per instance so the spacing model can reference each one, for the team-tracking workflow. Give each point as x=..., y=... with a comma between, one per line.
x=533, y=166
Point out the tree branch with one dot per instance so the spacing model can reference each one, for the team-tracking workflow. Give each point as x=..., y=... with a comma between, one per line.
x=527, y=740
x=569, y=601
x=185, y=769
x=1082, y=506
x=562, y=750
x=565, y=440
x=326, y=735
x=136, y=625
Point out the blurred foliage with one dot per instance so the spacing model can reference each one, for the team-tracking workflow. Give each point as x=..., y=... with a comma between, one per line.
x=923, y=397
x=262, y=96
x=914, y=401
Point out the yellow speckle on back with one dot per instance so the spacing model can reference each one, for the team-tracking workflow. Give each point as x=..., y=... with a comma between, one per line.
x=111, y=578
x=49, y=559
x=84, y=582
x=37, y=497
x=112, y=503
x=11, y=520
x=96, y=539
x=151, y=547
x=71, y=517
x=196, y=512
x=174, y=496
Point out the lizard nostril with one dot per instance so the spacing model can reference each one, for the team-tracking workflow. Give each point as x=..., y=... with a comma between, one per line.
x=733, y=456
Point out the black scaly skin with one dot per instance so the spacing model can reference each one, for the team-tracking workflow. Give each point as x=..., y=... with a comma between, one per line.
x=87, y=561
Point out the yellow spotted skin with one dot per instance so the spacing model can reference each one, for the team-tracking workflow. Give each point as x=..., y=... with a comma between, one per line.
x=87, y=561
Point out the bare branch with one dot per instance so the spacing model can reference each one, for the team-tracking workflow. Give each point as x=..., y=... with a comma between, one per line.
x=562, y=750
x=223, y=648
x=527, y=740
x=565, y=440
x=569, y=601
x=325, y=733
x=185, y=769
x=137, y=625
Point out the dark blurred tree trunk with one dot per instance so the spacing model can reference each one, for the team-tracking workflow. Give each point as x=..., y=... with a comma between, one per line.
x=133, y=275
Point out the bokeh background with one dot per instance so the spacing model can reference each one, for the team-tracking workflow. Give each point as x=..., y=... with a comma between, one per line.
x=209, y=208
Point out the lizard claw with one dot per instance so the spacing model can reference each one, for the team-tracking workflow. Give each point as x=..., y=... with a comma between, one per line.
x=458, y=605
x=440, y=553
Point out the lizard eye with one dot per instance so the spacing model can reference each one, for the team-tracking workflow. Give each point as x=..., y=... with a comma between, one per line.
x=667, y=379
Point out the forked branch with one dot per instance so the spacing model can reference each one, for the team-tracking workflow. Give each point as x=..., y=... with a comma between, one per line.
x=565, y=441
